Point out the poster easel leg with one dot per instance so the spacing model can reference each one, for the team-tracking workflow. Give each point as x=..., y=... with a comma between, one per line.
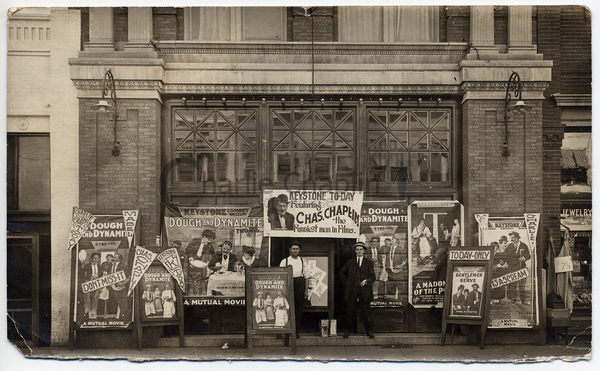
x=249, y=346
x=482, y=340
x=444, y=327
x=294, y=344
x=452, y=334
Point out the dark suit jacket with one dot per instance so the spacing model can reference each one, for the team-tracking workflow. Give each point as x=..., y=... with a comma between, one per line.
x=473, y=302
x=232, y=260
x=276, y=224
x=515, y=252
x=87, y=272
x=458, y=300
x=352, y=275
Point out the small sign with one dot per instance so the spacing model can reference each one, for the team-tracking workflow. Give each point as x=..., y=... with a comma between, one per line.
x=563, y=264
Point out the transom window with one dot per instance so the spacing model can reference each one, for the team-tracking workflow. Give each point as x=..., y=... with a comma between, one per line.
x=214, y=145
x=313, y=146
x=412, y=146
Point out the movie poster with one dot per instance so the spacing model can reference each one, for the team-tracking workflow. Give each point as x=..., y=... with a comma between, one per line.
x=157, y=295
x=304, y=213
x=434, y=226
x=215, y=245
x=270, y=297
x=467, y=291
x=102, y=275
x=513, y=299
x=383, y=229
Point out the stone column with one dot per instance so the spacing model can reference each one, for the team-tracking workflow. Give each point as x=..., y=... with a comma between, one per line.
x=101, y=29
x=520, y=29
x=482, y=31
x=139, y=22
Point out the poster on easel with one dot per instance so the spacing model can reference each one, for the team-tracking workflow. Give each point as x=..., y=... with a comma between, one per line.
x=158, y=295
x=514, y=296
x=434, y=227
x=102, y=269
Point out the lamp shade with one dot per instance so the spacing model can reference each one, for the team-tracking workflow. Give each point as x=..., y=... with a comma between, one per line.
x=520, y=106
x=103, y=105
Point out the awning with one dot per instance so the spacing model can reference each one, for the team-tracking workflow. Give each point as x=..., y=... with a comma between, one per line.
x=574, y=158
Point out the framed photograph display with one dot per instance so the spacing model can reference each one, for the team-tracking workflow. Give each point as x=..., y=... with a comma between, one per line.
x=467, y=292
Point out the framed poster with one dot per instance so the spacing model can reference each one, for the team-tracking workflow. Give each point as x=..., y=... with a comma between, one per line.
x=270, y=299
x=383, y=229
x=157, y=295
x=102, y=268
x=216, y=244
x=317, y=273
x=467, y=293
x=434, y=227
x=514, y=296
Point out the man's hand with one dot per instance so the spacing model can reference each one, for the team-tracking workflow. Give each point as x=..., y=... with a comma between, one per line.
x=363, y=282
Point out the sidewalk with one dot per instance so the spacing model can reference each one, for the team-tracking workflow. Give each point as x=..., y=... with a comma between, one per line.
x=399, y=353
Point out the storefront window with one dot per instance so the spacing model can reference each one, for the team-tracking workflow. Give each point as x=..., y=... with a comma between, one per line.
x=313, y=146
x=214, y=145
x=409, y=145
x=576, y=174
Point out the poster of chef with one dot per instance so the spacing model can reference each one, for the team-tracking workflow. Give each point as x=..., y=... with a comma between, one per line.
x=513, y=286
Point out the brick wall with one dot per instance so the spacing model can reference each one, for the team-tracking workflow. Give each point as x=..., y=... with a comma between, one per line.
x=575, y=41
x=299, y=27
x=166, y=23
x=131, y=180
x=120, y=25
x=457, y=23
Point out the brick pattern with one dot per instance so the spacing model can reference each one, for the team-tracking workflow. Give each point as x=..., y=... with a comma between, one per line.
x=166, y=23
x=301, y=26
x=457, y=23
x=131, y=180
x=120, y=25
x=576, y=58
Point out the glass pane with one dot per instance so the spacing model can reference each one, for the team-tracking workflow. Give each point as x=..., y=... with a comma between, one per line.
x=323, y=167
x=226, y=167
x=225, y=120
x=34, y=173
x=282, y=140
x=225, y=140
x=306, y=137
x=418, y=140
x=398, y=140
x=326, y=144
x=281, y=166
x=320, y=123
x=344, y=169
x=348, y=137
x=206, y=119
x=376, y=121
x=418, y=120
x=286, y=116
x=299, y=143
x=300, y=116
x=439, y=140
x=398, y=164
x=184, y=167
x=205, y=167
x=247, y=120
x=419, y=167
x=303, y=120
x=183, y=120
x=279, y=123
x=246, y=167
x=340, y=144
x=398, y=120
x=321, y=136
x=184, y=140
x=302, y=167
x=377, y=140
x=439, y=167
x=342, y=118
x=377, y=166
x=327, y=117
x=440, y=120
x=205, y=140
x=246, y=140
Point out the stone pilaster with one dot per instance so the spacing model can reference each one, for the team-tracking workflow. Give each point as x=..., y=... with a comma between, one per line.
x=482, y=31
x=520, y=29
x=101, y=29
x=139, y=22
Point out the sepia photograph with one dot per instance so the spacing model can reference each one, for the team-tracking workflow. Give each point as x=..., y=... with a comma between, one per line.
x=368, y=182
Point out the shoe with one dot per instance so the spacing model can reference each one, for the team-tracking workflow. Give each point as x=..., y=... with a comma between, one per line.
x=370, y=335
x=346, y=335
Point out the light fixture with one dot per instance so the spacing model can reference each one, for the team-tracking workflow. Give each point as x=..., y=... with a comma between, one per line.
x=243, y=101
x=184, y=100
x=399, y=100
x=439, y=100
x=109, y=91
x=513, y=90
x=420, y=100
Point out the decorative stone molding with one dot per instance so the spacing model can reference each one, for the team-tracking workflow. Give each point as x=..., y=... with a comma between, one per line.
x=572, y=100
x=306, y=89
x=120, y=84
x=501, y=85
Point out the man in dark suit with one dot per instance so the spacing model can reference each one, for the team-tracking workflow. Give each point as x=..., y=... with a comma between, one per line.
x=105, y=267
x=201, y=258
x=474, y=298
x=518, y=254
x=90, y=272
x=358, y=276
x=457, y=300
x=225, y=259
x=280, y=218
x=117, y=299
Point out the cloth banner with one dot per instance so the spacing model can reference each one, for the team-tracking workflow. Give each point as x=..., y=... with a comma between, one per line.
x=142, y=259
x=434, y=226
x=304, y=213
x=513, y=296
x=130, y=217
x=80, y=224
x=170, y=259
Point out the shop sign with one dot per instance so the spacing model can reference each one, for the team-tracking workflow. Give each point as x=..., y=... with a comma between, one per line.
x=383, y=229
x=514, y=297
x=214, y=246
x=563, y=264
x=102, y=274
x=577, y=218
x=312, y=213
x=434, y=227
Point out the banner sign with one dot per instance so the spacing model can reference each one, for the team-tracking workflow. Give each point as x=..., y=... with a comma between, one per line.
x=131, y=217
x=513, y=300
x=171, y=261
x=311, y=213
x=79, y=225
x=158, y=295
x=434, y=227
x=215, y=244
x=141, y=261
x=102, y=275
x=383, y=228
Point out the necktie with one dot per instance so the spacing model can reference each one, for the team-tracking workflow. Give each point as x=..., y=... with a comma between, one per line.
x=358, y=262
x=114, y=267
x=94, y=270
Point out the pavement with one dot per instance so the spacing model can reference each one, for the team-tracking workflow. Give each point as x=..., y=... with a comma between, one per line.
x=517, y=353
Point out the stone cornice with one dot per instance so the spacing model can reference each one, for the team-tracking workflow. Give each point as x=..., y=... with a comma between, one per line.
x=501, y=85
x=89, y=84
x=572, y=100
